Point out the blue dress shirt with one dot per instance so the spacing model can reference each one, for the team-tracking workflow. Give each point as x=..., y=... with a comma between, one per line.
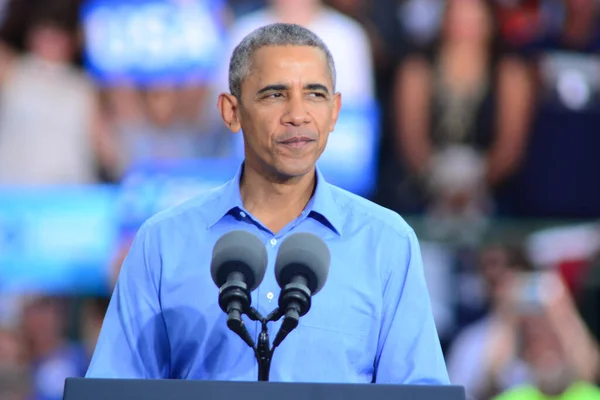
x=372, y=321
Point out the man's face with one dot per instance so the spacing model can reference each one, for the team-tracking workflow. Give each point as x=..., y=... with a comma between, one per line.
x=287, y=109
x=51, y=43
x=544, y=354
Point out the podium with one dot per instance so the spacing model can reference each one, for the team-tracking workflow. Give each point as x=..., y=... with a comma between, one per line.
x=133, y=389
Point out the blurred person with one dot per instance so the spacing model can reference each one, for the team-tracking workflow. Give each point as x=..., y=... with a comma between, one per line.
x=549, y=361
x=155, y=124
x=486, y=357
x=473, y=353
x=15, y=383
x=11, y=351
x=461, y=117
x=395, y=28
x=50, y=353
x=92, y=316
x=559, y=176
x=50, y=126
x=11, y=344
x=162, y=122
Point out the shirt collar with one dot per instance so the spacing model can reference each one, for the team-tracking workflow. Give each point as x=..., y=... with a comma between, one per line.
x=322, y=203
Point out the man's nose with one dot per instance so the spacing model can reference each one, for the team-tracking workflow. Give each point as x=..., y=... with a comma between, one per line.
x=296, y=113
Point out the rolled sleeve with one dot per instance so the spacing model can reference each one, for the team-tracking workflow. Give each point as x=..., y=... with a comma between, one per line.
x=409, y=350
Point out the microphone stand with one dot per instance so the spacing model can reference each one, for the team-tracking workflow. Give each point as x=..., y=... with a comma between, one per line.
x=263, y=351
x=234, y=299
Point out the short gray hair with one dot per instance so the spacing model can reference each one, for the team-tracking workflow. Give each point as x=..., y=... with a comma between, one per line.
x=278, y=34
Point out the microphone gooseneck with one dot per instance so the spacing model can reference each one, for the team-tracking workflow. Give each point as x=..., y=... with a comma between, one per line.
x=295, y=301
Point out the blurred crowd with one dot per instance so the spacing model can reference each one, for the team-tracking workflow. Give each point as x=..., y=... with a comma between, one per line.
x=489, y=110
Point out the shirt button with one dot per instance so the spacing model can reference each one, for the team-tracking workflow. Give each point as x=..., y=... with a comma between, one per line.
x=270, y=296
x=273, y=242
x=242, y=214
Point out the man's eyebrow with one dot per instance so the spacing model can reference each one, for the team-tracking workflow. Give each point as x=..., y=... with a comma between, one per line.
x=280, y=87
x=317, y=86
x=273, y=88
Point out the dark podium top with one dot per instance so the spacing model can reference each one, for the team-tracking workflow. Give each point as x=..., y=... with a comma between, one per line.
x=131, y=389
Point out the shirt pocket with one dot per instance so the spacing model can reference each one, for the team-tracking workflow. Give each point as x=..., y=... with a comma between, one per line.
x=339, y=347
x=352, y=314
x=338, y=337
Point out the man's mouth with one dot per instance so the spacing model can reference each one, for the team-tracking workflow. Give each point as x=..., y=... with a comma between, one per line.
x=297, y=141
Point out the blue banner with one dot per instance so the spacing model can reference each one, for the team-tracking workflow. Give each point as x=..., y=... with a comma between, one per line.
x=57, y=239
x=153, y=41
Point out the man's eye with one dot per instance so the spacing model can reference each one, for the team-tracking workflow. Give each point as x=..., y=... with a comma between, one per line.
x=274, y=95
x=317, y=94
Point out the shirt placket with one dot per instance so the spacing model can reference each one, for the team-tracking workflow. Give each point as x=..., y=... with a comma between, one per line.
x=265, y=298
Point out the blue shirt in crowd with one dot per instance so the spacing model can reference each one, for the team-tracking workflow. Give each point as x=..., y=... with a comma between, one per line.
x=372, y=321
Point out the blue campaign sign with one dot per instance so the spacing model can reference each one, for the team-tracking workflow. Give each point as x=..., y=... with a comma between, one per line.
x=153, y=41
x=56, y=239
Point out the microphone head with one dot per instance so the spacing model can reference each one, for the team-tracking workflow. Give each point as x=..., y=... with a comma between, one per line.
x=239, y=251
x=303, y=254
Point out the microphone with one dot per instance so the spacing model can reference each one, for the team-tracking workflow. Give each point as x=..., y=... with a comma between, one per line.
x=239, y=262
x=301, y=269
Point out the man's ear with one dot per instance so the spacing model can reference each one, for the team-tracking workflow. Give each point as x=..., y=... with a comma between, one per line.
x=228, y=107
x=335, y=111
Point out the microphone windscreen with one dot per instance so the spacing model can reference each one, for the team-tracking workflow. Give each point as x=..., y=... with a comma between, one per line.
x=239, y=251
x=303, y=254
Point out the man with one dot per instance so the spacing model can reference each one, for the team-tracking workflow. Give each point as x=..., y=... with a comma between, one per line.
x=372, y=322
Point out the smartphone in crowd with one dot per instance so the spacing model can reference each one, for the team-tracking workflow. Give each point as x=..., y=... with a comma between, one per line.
x=534, y=291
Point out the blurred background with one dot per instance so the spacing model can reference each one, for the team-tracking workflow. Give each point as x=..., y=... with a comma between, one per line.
x=478, y=121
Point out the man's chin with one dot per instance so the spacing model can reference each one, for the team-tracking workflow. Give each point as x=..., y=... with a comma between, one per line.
x=291, y=170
